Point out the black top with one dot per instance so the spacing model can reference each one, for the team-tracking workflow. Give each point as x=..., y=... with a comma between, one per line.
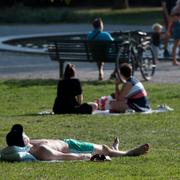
x=169, y=4
x=155, y=38
x=67, y=90
x=66, y=102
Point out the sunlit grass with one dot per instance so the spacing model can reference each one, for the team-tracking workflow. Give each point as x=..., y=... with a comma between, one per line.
x=21, y=100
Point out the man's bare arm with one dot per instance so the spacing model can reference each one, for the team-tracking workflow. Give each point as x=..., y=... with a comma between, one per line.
x=74, y=156
x=37, y=141
x=46, y=153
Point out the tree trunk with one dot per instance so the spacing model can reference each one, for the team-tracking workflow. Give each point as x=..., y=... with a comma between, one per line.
x=120, y=4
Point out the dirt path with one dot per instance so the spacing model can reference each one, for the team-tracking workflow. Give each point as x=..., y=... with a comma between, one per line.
x=21, y=66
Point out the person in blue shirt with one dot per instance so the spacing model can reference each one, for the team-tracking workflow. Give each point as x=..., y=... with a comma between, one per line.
x=98, y=34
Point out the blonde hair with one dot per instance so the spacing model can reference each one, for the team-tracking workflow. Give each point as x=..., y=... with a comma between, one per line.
x=157, y=25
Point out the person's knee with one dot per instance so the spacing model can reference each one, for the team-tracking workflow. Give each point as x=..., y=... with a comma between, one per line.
x=94, y=106
x=105, y=149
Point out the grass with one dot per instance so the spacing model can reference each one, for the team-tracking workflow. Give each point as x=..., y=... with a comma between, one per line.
x=134, y=16
x=20, y=100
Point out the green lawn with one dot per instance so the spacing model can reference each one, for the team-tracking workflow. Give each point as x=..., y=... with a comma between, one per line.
x=137, y=16
x=20, y=101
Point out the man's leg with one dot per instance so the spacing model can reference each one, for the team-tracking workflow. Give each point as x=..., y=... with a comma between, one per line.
x=100, y=66
x=167, y=36
x=107, y=151
x=115, y=144
x=176, y=43
x=166, y=52
x=118, y=106
x=113, y=74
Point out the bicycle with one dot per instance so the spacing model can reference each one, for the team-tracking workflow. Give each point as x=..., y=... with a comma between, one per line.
x=136, y=50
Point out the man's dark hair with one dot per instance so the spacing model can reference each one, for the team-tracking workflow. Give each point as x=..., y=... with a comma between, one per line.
x=97, y=23
x=126, y=70
x=15, y=136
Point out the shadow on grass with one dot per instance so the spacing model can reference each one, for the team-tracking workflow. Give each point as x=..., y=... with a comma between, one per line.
x=45, y=82
x=30, y=82
x=40, y=114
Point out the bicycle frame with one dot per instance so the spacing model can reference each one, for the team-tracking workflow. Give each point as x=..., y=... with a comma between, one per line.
x=140, y=54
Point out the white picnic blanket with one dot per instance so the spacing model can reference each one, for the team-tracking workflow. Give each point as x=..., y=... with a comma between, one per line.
x=160, y=109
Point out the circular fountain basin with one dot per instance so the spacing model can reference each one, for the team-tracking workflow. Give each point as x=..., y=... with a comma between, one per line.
x=37, y=43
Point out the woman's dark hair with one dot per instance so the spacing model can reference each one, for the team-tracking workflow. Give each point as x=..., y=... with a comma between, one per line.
x=97, y=23
x=69, y=71
x=126, y=70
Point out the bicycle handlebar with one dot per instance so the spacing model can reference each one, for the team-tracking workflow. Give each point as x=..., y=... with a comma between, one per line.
x=136, y=32
x=135, y=37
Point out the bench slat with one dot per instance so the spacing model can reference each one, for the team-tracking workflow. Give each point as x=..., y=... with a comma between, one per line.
x=84, y=51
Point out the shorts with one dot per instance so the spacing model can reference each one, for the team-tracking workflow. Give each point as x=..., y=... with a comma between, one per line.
x=79, y=146
x=139, y=105
x=176, y=30
x=155, y=50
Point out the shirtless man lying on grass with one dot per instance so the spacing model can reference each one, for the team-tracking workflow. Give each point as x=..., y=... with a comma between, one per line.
x=68, y=149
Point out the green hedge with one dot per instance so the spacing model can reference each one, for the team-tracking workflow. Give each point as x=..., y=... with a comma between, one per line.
x=40, y=3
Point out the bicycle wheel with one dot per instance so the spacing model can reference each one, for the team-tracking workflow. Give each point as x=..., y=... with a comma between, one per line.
x=147, y=63
x=125, y=55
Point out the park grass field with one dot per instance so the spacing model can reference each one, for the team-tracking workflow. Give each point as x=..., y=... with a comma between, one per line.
x=49, y=15
x=20, y=100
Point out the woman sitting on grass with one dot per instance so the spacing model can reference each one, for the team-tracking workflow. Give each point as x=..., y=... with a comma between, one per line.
x=132, y=95
x=69, y=95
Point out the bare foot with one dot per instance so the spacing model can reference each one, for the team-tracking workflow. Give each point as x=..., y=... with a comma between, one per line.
x=139, y=150
x=115, y=144
x=176, y=63
x=101, y=75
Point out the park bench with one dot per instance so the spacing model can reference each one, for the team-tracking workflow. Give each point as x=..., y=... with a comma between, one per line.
x=68, y=50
